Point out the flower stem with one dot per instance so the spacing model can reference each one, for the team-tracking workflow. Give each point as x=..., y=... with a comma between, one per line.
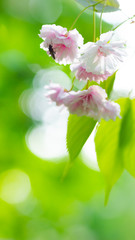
x=92, y=5
x=94, y=25
x=72, y=84
x=123, y=22
x=87, y=85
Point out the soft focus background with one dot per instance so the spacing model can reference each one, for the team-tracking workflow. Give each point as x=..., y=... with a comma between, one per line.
x=35, y=203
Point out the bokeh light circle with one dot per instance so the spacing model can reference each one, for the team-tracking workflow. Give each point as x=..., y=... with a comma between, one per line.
x=15, y=186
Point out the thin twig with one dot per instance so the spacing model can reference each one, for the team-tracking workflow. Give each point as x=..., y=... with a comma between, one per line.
x=123, y=22
x=84, y=11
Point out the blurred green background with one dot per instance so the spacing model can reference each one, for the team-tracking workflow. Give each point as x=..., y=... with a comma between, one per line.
x=34, y=203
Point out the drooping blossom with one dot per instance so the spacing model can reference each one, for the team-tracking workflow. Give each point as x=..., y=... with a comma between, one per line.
x=100, y=59
x=56, y=93
x=83, y=75
x=61, y=44
x=91, y=102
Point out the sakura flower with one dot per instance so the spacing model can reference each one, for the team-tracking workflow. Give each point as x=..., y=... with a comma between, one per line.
x=91, y=102
x=111, y=110
x=61, y=44
x=102, y=58
x=55, y=93
x=83, y=75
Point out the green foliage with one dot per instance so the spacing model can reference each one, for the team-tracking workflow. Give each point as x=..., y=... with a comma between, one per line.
x=113, y=144
x=108, y=85
x=110, y=5
x=126, y=129
x=114, y=140
x=53, y=209
x=72, y=209
x=78, y=131
x=129, y=139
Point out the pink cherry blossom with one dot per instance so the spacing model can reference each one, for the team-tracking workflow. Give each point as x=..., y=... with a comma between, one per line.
x=83, y=75
x=111, y=110
x=64, y=44
x=91, y=102
x=103, y=58
x=56, y=93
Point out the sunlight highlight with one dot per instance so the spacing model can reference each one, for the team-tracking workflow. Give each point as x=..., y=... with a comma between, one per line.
x=15, y=186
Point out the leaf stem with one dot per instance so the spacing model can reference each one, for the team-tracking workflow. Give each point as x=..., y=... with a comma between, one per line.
x=123, y=22
x=66, y=170
x=87, y=85
x=92, y=5
x=72, y=84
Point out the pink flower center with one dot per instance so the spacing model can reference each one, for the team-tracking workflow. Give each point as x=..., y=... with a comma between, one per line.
x=59, y=47
x=100, y=52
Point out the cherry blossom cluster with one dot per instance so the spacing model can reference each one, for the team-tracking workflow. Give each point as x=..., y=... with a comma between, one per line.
x=93, y=61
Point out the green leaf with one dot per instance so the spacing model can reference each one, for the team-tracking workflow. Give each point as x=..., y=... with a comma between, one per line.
x=108, y=84
x=78, y=131
x=129, y=134
x=108, y=142
x=126, y=129
x=110, y=5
